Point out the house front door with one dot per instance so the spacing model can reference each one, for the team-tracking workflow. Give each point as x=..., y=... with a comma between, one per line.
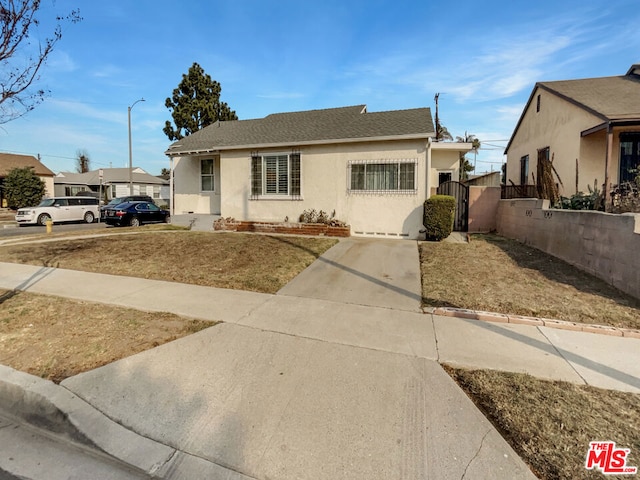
x=629, y=156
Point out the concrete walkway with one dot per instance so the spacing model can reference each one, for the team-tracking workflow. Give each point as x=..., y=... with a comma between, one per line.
x=305, y=384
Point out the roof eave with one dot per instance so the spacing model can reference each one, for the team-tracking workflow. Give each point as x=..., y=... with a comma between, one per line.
x=207, y=151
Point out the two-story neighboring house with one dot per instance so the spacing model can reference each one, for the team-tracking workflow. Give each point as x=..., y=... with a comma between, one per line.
x=590, y=127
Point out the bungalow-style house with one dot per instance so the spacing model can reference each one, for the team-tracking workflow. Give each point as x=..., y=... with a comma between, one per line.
x=115, y=183
x=9, y=161
x=372, y=170
x=591, y=128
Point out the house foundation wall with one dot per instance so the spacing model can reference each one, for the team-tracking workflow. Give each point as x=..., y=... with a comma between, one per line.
x=602, y=244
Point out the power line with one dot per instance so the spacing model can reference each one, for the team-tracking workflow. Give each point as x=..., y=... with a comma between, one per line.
x=42, y=155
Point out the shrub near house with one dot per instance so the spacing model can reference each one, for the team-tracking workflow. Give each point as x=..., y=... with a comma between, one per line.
x=438, y=216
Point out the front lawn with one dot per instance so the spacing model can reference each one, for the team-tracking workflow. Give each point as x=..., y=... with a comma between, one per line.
x=500, y=275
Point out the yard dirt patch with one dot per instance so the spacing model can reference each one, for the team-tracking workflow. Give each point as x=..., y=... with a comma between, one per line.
x=260, y=263
x=56, y=338
x=496, y=274
x=550, y=423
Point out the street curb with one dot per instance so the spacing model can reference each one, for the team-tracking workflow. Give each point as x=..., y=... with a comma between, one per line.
x=59, y=412
x=46, y=405
x=532, y=321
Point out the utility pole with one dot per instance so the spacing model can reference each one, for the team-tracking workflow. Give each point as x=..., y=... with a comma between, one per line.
x=437, y=119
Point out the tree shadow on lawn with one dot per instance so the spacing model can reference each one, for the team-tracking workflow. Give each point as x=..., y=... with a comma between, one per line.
x=559, y=271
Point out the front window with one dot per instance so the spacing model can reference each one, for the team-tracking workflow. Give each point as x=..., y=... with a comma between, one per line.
x=524, y=170
x=382, y=176
x=206, y=175
x=629, y=156
x=275, y=175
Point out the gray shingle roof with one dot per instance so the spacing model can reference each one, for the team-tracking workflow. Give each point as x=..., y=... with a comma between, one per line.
x=612, y=98
x=308, y=127
x=110, y=175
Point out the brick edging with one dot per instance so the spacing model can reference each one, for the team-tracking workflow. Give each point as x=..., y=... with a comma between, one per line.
x=533, y=321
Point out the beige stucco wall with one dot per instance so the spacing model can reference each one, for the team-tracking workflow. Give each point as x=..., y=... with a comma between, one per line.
x=558, y=125
x=324, y=178
x=599, y=243
x=324, y=186
x=188, y=196
x=49, y=186
x=483, y=208
x=443, y=160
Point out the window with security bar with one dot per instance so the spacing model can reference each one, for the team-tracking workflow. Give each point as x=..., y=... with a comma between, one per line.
x=276, y=175
x=382, y=176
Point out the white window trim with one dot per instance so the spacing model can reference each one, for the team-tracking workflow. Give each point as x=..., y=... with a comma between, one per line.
x=212, y=175
x=263, y=180
x=395, y=161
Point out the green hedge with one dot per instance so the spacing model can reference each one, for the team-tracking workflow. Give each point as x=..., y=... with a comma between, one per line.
x=438, y=217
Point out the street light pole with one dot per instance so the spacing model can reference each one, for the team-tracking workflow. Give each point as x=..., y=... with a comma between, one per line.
x=130, y=155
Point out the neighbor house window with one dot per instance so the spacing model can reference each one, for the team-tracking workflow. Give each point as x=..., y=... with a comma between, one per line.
x=382, y=176
x=524, y=170
x=538, y=104
x=206, y=175
x=275, y=175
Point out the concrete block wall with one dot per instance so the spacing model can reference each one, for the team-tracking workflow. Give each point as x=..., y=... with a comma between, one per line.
x=603, y=244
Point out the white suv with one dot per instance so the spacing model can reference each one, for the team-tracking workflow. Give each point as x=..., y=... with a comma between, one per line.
x=60, y=209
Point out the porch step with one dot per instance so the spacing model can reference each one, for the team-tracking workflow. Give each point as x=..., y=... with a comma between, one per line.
x=195, y=221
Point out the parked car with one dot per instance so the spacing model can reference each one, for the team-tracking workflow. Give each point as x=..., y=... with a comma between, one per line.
x=60, y=209
x=129, y=198
x=135, y=214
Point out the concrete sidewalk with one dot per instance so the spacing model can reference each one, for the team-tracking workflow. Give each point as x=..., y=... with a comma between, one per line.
x=298, y=387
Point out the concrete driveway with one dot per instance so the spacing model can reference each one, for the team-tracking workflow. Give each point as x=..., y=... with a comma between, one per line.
x=364, y=271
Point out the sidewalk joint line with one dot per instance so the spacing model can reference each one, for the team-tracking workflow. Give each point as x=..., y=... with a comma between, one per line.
x=563, y=357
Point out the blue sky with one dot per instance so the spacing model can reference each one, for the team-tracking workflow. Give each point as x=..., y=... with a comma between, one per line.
x=289, y=55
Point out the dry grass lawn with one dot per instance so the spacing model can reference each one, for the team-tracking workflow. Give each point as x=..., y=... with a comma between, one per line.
x=550, y=424
x=496, y=274
x=56, y=338
x=258, y=263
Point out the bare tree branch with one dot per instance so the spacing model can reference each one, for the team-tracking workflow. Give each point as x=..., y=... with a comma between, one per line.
x=17, y=18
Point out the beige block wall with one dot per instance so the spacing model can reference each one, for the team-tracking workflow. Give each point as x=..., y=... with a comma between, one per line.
x=483, y=207
x=602, y=244
x=557, y=125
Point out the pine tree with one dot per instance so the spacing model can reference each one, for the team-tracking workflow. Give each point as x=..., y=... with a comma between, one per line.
x=195, y=103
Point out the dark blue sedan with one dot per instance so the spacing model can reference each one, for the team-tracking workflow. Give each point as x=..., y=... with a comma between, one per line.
x=135, y=214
